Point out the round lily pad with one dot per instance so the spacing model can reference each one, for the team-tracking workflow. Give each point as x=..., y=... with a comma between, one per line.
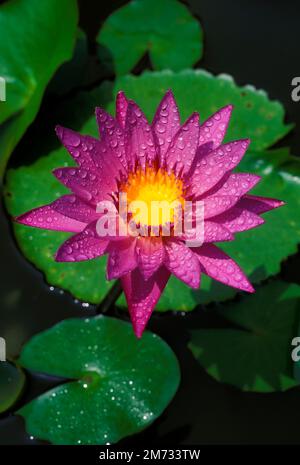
x=12, y=380
x=118, y=384
x=171, y=35
x=256, y=354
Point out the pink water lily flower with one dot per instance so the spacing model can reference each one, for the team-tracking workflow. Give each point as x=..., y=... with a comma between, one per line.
x=162, y=160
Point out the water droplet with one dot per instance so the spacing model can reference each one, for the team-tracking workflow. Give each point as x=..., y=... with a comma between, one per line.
x=73, y=139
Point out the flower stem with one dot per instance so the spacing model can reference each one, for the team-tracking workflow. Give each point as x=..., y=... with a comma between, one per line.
x=110, y=298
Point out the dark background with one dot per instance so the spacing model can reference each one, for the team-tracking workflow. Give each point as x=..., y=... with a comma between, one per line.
x=257, y=43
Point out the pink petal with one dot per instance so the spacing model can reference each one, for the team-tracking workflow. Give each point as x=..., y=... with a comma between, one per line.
x=150, y=253
x=122, y=258
x=112, y=135
x=142, y=295
x=260, y=204
x=238, y=219
x=86, y=184
x=97, y=157
x=215, y=232
x=139, y=142
x=182, y=262
x=83, y=246
x=218, y=204
x=78, y=146
x=216, y=264
x=235, y=184
x=47, y=218
x=183, y=147
x=73, y=207
x=214, y=128
x=166, y=123
x=225, y=197
x=210, y=168
x=121, y=108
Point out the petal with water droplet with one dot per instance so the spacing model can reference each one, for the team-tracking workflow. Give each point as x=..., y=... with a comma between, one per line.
x=182, y=150
x=121, y=108
x=215, y=127
x=218, y=204
x=77, y=145
x=122, y=258
x=46, y=217
x=83, y=246
x=228, y=194
x=235, y=184
x=150, y=254
x=181, y=261
x=139, y=141
x=208, y=170
x=216, y=264
x=215, y=232
x=112, y=135
x=259, y=205
x=239, y=219
x=142, y=295
x=73, y=207
x=85, y=184
x=166, y=123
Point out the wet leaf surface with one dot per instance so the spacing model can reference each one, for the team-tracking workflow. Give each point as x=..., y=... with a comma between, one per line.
x=126, y=37
x=118, y=384
x=256, y=354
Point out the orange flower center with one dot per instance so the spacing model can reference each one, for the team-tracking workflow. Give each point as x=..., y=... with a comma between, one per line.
x=153, y=196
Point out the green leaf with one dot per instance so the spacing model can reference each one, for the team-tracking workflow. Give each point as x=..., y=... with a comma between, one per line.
x=254, y=115
x=12, y=380
x=173, y=38
x=120, y=384
x=35, y=39
x=259, y=252
x=256, y=354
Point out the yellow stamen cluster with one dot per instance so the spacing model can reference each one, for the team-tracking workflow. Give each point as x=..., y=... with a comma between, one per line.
x=154, y=188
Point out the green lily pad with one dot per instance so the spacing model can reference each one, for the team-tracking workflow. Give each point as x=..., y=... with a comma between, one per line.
x=256, y=355
x=12, y=380
x=255, y=116
x=259, y=252
x=170, y=34
x=120, y=384
x=35, y=40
